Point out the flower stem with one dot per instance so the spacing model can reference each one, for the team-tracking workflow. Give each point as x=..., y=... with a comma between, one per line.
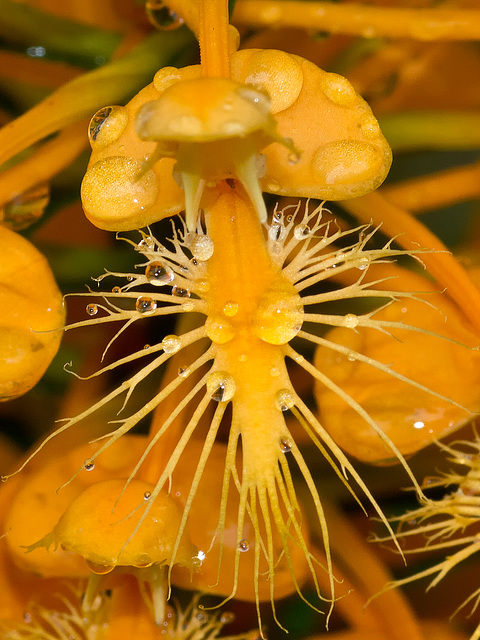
x=362, y=20
x=213, y=38
x=411, y=233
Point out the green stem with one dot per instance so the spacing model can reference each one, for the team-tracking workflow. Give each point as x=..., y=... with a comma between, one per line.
x=445, y=130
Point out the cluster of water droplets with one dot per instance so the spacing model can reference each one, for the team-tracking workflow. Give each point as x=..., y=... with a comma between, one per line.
x=177, y=271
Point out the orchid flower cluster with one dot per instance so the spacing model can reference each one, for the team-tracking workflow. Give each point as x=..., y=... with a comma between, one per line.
x=285, y=343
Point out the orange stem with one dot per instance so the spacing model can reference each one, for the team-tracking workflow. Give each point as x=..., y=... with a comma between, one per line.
x=391, y=609
x=436, y=190
x=412, y=234
x=213, y=38
x=362, y=20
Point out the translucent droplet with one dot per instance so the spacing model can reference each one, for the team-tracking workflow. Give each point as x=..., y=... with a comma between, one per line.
x=284, y=400
x=146, y=347
x=274, y=372
x=301, y=231
x=351, y=357
x=363, y=263
x=294, y=157
x=201, y=247
x=116, y=290
x=219, y=329
x=183, y=372
x=230, y=308
x=161, y=17
x=88, y=465
x=99, y=569
x=146, y=495
x=227, y=617
x=146, y=244
x=243, y=545
x=91, y=309
x=279, y=314
x=107, y=125
x=203, y=286
x=145, y=305
x=130, y=278
x=180, y=292
x=221, y=386
x=158, y=274
x=350, y=320
x=25, y=209
x=285, y=445
x=171, y=344
x=277, y=232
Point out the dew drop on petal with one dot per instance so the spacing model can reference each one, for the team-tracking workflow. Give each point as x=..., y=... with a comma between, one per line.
x=88, y=465
x=285, y=445
x=243, y=545
x=227, y=617
x=144, y=304
x=91, y=309
x=26, y=208
x=279, y=314
x=350, y=321
x=201, y=247
x=180, y=292
x=183, y=372
x=219, y=329
x=116, y=290
x=158, y=273
x=161, y=17
x=351, y=357
x=107, y=125
x=301, y=231
x=147, y=495
x=230, y=308
x=171, y=344
x=221, y=386
x=99, y=569
x=284, y=400
x=147, y=243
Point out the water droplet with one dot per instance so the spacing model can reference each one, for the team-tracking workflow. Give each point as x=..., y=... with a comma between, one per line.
x=146, y=495
x=161, y=17
x=183, y=372
x=301, y=231
x=116, y=290
x=201, y=247
x=26, y=208
x=243, y=545
x=88, y=465
x=351, y=357
x=147, y=243
x=285, y=445
x=274, y=372
x=158, y=274
x=294, y=157
x=221, y=386
x=180, y=292
x=218, y=329
x=99, y=569
x=171, y=344
x=203, y=286
x=230, y=308
x=350, y=320
x=279, y=314
x=130, y=278
x=145, y=305
x=363, y=263
x=188, y=306
x=277, y=232
x=227, y=617
x=284, y=400
x=91, y=309
x=107, y=125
